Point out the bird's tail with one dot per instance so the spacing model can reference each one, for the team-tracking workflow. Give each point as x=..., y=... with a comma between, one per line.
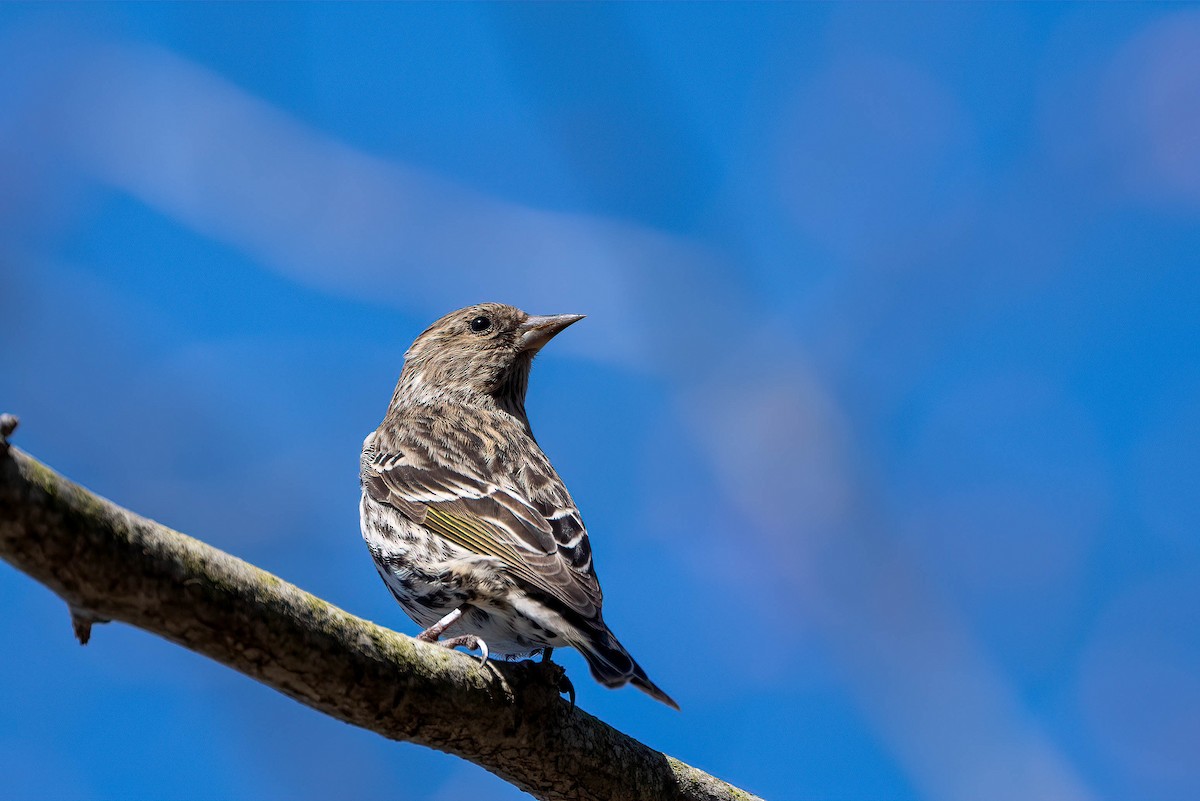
x=612, y=665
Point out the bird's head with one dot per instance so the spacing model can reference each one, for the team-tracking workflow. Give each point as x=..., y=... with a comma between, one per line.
x=482, y=351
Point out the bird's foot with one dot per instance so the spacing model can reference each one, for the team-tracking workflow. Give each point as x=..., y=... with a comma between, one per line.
x=432, y=633
x=558, y=674
x=566, y=687
x=470, y=642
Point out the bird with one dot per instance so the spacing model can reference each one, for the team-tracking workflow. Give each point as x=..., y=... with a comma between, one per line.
x=467, y=522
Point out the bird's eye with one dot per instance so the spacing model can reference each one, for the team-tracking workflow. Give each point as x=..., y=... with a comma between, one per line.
x=480, y=324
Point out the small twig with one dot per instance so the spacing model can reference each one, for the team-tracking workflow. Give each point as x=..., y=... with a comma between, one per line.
x=81, y=623
x=8, y=424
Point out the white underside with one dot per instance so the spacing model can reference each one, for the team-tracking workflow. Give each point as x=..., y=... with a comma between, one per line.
x=511, y=623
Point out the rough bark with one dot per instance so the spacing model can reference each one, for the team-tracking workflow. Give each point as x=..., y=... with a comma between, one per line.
x=108, y=563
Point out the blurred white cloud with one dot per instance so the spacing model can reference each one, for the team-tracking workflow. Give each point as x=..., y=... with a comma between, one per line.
x=1150, y=111
x=195, y=147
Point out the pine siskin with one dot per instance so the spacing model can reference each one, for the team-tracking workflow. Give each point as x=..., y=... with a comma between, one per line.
x=469, y=525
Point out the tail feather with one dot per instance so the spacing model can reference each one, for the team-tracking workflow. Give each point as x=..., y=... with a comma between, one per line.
x=612, y=666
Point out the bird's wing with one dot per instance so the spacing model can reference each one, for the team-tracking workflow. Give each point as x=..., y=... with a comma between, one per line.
x=545, y=544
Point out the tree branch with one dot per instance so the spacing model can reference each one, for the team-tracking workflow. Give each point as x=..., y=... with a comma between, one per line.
x=110, y=564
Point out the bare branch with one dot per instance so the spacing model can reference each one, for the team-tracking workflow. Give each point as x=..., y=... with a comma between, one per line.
x=110, y=564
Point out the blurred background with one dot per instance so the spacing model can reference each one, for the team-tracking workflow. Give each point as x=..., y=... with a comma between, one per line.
x=884, y=420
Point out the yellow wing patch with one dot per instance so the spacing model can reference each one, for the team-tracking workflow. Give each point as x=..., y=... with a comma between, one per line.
x=474, y=535
x=471, y=533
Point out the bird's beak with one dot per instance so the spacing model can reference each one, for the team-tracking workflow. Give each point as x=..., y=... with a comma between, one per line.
x=538, y=330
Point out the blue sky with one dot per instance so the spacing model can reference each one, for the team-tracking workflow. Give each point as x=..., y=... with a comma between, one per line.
x=884, y=419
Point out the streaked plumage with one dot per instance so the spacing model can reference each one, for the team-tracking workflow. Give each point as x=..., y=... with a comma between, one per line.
x=462, y=510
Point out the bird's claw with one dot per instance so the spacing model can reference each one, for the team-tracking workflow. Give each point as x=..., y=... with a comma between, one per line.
x=565, y=686
x=470, y=642
x=8, y=424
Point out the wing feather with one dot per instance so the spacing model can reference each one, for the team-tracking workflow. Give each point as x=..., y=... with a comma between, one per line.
x=544, y=544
